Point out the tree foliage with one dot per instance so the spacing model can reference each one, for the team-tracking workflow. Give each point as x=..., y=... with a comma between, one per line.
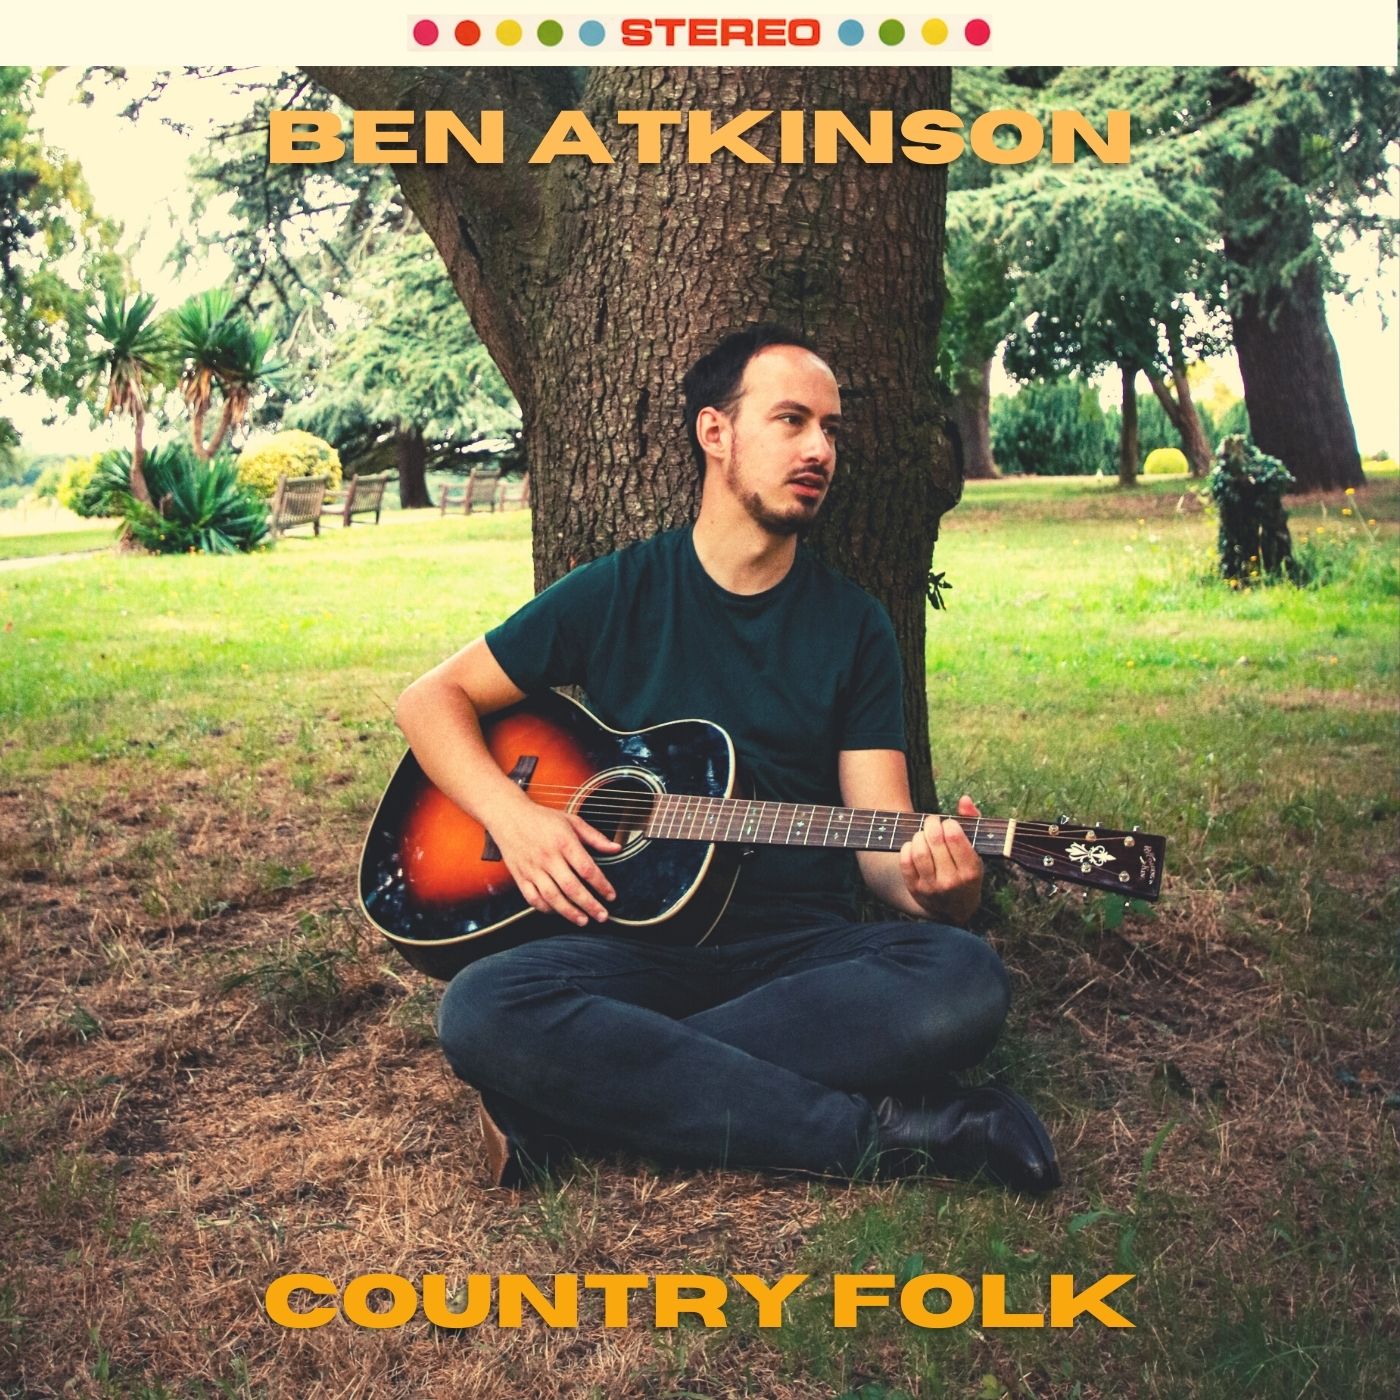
x=56, y=252
x=409, y=360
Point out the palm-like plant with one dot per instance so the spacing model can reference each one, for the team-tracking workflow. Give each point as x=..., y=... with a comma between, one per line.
x=203, y=507
x=219, y=350
x=132, y=357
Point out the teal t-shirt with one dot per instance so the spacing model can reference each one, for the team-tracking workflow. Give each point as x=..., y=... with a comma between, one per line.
x=796, y=674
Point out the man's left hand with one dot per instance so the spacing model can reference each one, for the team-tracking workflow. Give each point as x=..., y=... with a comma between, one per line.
x=941, y=870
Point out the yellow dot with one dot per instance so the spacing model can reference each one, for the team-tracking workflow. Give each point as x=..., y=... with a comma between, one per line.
x=508, y=31
x=1351, y=491
x=934, y=31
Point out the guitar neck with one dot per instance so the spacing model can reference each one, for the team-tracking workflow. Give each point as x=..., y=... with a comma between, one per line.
x=676, y=817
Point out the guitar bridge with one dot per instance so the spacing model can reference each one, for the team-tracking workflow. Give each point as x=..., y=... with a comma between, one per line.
x=520, y=775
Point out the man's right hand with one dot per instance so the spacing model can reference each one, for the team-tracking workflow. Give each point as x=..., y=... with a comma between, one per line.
x=546, y=854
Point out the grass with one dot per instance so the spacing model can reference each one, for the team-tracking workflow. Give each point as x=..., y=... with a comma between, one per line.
x=213, y=1075
x=55, y=542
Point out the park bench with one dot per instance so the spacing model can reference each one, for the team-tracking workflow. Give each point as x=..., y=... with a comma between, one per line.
x=478, y=492
x=297, y=501
x=364, y=495
x=514, y=494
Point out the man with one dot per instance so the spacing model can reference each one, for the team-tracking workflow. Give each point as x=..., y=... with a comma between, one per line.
x=793, y=1038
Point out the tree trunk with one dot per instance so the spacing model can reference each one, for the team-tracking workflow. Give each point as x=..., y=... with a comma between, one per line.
x=1293, y=392
x=412, y=456
x=595, y=286
x=1128, y=449
x=1182, y=409
x=206, y=450
x=972, y=413
x=137, y=479
x=1193, y=436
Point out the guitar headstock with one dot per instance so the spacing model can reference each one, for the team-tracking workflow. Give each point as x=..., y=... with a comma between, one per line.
x=1129, y=863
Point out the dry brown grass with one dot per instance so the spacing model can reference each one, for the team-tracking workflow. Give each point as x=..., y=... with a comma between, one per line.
x=173, y=1142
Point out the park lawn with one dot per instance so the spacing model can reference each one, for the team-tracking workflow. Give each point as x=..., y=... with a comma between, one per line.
x=216, y=1074
x=59, y=542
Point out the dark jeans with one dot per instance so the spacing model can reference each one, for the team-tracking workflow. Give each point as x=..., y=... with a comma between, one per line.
x=760, y=1053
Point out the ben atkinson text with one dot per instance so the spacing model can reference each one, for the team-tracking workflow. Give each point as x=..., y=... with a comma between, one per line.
x=312, y=136
x=927, y=1300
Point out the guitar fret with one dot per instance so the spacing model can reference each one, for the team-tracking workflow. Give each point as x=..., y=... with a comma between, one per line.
x=692, y=817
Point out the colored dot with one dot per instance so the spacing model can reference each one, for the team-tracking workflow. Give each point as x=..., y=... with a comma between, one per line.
x=891, y=32
x=550, y=32
x=592, y=33
x=425, y=32
x=935, y=31
x=851, y=31
x=978, y=31
x=508, y=31
x=467, y=32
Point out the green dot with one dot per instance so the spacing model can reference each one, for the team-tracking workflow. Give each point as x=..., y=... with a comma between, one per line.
x=550, y=32
x=891, y=32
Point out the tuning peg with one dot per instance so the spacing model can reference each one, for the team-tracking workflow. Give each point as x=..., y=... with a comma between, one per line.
x=1064, y=819
x=1137, y=828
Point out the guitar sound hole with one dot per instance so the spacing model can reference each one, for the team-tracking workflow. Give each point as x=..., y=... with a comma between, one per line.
x=619, y=808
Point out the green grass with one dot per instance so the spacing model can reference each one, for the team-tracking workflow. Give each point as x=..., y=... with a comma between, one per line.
x=193, y=746
x=59, y=542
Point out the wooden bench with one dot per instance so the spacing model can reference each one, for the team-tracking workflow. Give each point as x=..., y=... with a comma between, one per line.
x=514, y=495
x=297, y=501
x=478, y=492
x=364, y=495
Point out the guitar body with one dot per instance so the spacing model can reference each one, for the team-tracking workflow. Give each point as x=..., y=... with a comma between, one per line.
x=432, y=881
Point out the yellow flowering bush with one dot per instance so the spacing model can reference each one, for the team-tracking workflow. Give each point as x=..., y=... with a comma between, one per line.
x=289, y=453
x=1165, y=461
x=73, y=477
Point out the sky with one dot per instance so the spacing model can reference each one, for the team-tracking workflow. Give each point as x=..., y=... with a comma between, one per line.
x=136, y=172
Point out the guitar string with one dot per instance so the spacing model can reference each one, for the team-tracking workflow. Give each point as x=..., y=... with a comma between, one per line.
x=642, y=804
x=993, y=829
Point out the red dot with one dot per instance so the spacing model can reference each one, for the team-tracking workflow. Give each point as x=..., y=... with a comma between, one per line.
x=425, y=32
x=978, y=31
x=467, y=32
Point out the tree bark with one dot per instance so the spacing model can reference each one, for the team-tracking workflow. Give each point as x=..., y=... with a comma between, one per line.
x=972, y=412
x=596, y=286
x=1182, y=409
x=1128, y=449
x=411, y=454
x=1293, y=391
x=137, y=477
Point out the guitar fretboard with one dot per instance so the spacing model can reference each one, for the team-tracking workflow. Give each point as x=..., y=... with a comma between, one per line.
x=676, y=817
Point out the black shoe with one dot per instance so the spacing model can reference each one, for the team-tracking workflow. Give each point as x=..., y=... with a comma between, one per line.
x=987, y=1129
x=514, y=1160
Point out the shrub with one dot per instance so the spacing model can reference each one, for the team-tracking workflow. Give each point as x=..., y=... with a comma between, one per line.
x=199, y=507
x=1055, y=429
x=289, y=453
x=73, y=477
x=1165, y=461
x=1247, y=486
x=92, y=486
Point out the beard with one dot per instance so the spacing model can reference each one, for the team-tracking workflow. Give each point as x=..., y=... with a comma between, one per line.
x=797, y=519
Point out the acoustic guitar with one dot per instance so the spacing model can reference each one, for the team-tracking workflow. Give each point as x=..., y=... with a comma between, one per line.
x=433, y=882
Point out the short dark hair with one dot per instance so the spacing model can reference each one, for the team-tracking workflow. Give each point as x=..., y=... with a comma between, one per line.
x=713, y=380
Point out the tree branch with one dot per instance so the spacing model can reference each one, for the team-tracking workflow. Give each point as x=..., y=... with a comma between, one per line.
x=486, y=220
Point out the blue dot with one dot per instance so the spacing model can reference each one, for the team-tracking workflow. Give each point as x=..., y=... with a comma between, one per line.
x=851, y=31
x=592, y=33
